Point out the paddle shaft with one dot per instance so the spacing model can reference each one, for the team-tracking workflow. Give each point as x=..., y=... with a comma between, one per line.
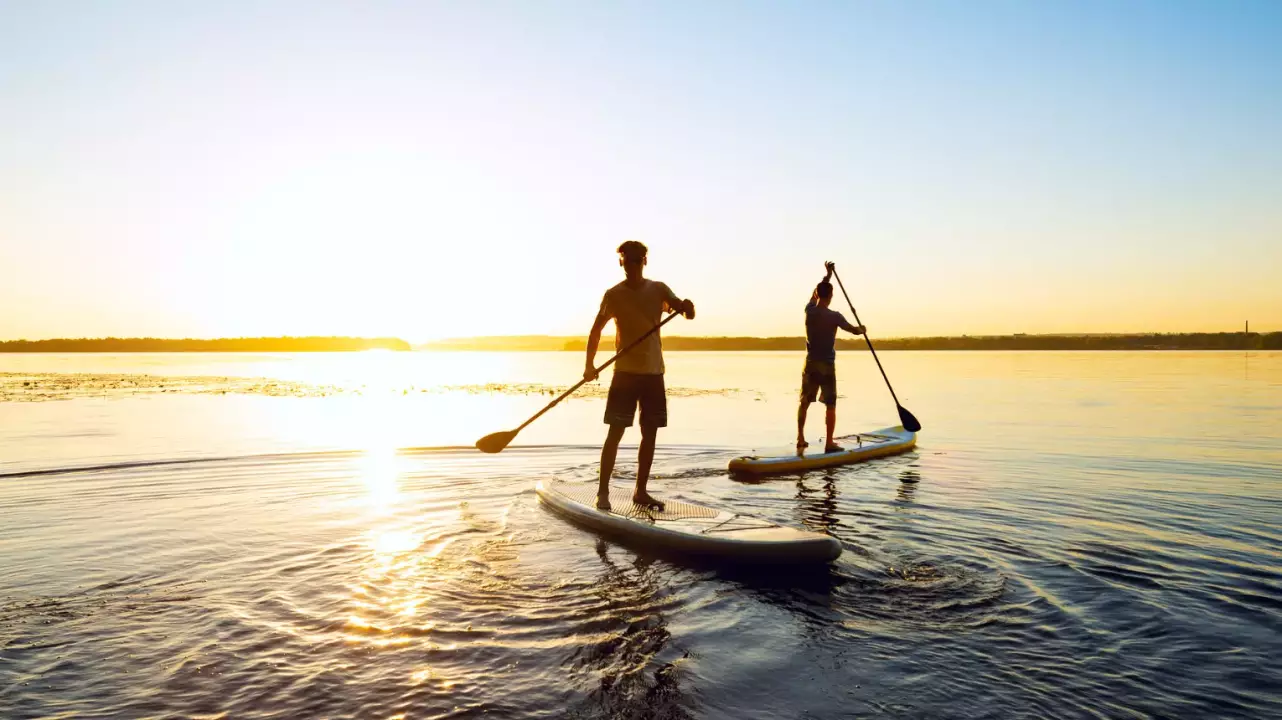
x=605, y=365
x=870, y=348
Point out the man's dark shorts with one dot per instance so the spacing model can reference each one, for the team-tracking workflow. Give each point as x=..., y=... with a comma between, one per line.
x=627, y=390
x=819, y=378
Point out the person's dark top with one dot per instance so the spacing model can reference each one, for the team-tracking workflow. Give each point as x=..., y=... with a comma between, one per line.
x=821, y=331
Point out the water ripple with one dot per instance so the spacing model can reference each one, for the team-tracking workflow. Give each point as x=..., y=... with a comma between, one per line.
x=431, y=584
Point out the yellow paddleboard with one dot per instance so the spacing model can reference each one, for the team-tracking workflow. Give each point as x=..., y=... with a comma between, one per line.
x=855, y=448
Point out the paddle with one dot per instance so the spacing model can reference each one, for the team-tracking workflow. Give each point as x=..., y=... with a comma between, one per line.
x=905, y=418
x=495, y=442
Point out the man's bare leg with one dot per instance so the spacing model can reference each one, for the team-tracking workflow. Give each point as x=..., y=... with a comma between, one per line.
x=830, y=419
x=645, y=458
x=608, y=452
x=801, y=425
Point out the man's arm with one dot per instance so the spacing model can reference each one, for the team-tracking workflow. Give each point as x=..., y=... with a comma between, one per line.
x=841, y=319
x=685, y=307
x=594, y=339
x=845, y=325
x=814, y=295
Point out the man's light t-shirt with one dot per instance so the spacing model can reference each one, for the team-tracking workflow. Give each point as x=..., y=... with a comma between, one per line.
x=636, y=311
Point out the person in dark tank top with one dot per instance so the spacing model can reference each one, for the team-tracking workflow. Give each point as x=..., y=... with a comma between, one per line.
x=819, y=377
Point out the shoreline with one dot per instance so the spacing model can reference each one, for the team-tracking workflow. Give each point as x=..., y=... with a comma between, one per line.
x=1129, y=341
x=168, y=345
x=1235, y=341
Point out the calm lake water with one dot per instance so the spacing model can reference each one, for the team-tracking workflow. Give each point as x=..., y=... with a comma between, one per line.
x=1077, y=535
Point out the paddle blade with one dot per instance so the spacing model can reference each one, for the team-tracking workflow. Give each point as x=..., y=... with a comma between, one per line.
x=495, y=442
x=907, y=420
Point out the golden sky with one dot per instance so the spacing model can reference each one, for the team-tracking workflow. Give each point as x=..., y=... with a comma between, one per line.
x=441, y=170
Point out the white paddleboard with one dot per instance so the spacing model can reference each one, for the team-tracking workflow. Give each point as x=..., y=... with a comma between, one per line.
x=685, y=527
x=855, y=448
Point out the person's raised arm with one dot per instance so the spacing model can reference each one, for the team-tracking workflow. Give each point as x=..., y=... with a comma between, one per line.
x=814, y=295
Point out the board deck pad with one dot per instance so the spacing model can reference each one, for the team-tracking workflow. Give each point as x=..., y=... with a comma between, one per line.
x=625, y=508
x=856, y=441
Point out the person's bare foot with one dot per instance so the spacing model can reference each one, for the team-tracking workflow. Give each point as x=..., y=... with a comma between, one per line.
x=603, y=501
x=833, y=448
x=648, y=501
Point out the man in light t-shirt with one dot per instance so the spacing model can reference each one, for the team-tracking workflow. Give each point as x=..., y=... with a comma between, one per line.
x=636, y=305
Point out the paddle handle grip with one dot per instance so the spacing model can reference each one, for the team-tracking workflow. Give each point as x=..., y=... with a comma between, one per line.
x=604, y=365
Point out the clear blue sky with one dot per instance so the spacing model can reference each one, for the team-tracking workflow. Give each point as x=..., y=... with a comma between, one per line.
x=442, y=169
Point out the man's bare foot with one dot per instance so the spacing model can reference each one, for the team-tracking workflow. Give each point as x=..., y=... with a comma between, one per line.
x=648, y=501
x=802, y=444
x=833, y=448
x=603, y=501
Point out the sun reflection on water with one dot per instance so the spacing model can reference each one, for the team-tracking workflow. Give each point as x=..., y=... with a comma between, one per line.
x=390, y=543
x=391, y=592
x=380, y=472
x=404, y=533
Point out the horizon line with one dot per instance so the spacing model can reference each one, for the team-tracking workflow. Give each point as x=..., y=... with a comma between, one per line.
x=546, y=336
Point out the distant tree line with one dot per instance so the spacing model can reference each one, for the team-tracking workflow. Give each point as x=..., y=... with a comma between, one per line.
x=1154, y=341
x=257, y=344
x=1151, y=341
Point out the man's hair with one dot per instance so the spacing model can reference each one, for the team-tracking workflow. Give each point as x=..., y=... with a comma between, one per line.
x=825, y=290
x=632, y=250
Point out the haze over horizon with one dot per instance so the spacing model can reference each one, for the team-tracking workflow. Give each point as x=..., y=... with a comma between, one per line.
x=436, y=170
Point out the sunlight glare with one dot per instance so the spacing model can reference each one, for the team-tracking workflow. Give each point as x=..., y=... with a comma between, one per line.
x=394, y=542
x=379, y=472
